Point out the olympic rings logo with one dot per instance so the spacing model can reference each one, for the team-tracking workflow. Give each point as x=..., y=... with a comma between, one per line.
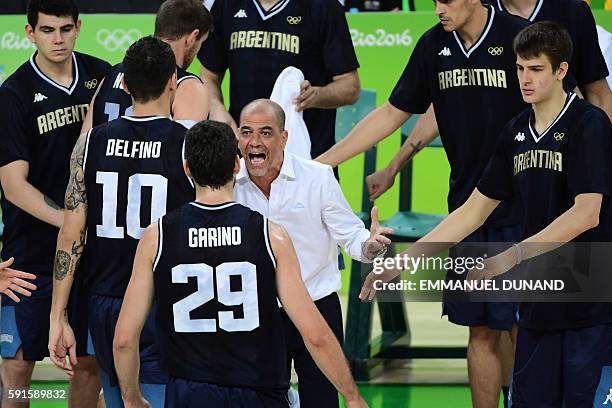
x=117, y=39
x=559, y=136
x=495, y=50
x=294, y=20
x=91, y=84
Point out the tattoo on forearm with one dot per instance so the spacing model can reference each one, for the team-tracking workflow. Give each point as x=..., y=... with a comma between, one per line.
x=51, y=203
x=416, y=147
x=77, y=249
x=76, y=193
x=62, y=265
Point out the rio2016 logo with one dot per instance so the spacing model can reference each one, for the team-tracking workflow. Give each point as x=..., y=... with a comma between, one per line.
x=12, y=41
x=380, y=38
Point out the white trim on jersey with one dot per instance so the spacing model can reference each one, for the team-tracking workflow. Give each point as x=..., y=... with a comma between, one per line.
x=277, y=8
x=567, y=105
x=186, y=77
x=205, y=207
x=183, y=157
x=86, y=149
x=208, y=4
x=75, y=79
x=268, y=244
x=536, y=10
x=482, y=36
x=160, y=242
x=186, y=123
x=533, y=14
x=147, y=119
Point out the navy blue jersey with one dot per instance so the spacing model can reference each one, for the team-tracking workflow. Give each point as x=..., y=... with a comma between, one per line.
x=215, y=287
x=474, y=93
x=112, y=101
x=133, y=174
x=547, y=171
x=41, y=121
x=256, y=45
x=587, y=64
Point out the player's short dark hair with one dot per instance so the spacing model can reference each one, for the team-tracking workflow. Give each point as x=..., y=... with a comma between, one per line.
x=147, y=66
x=544, y=38
x=58, y=8
x=210, y=150
x=176, y=18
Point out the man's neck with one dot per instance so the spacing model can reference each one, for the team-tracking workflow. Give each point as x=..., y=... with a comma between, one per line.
x=60, y=72
x=208, y=196
x=179, y=52
x=547, y=111
x=522, y=8
x=156, y=107
x=268, y=4
x=474, y=27
x=264, y=183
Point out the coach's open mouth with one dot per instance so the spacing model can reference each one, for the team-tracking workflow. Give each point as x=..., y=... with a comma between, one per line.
x=257, y=158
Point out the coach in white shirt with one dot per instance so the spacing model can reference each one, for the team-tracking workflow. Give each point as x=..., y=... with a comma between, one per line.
x=304, y=197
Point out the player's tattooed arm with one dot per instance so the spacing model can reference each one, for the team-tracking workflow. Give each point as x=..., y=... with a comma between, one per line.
x=425, y=130
x=66, y=263
x=76, y=195
x=72, y=235
x=61, y=267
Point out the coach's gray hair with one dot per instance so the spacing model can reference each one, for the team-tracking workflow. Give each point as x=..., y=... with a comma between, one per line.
x=266, y=105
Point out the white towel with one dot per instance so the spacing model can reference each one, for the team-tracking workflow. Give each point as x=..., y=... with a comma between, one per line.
x=286, y=89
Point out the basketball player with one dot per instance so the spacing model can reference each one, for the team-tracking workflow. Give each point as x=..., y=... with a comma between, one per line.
x=256, y=40
x=464, y=66
x=216, y=269
x=122, y=172
x=43, y=106
x=587, y=69
x=184, y=25
x=588, y=72
x=566, y=197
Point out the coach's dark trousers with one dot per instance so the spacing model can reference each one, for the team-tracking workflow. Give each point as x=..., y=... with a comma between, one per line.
x=314, y=388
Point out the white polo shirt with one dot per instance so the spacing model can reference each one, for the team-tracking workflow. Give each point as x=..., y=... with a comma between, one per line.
x=308, y=202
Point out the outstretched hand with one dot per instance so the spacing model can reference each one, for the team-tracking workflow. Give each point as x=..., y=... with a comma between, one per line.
x=12, y=280
x=378, y=241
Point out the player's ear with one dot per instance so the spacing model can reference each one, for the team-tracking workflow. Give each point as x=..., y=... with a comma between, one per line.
x=30, y=33
x=124, y=86
x=562, y=71
x=236, y=165
x=77, y=27
x=192, y=37
x=186, y=169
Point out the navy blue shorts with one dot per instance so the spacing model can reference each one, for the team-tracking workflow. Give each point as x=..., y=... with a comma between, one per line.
x=181, y=393
x=103, y=316
x=25, y=324
x=563, y=368
x=495, y=315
